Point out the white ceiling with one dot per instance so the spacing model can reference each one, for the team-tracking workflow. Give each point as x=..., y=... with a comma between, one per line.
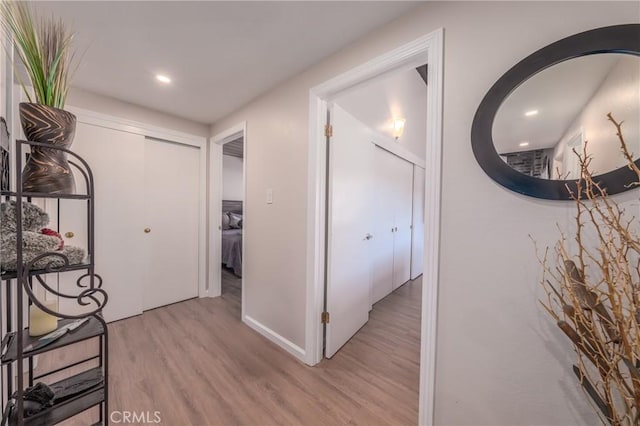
x=559, y=93
x=400, y=94
x=220, y=55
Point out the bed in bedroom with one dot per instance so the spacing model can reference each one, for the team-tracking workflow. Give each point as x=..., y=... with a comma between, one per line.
x=232, y=236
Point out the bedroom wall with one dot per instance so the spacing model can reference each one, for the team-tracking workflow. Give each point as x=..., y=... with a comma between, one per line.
x=95, y=102
x=500, y=360
x=232, y=185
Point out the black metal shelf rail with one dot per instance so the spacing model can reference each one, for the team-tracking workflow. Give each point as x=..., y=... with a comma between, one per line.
x=12, y=275
x=91, y=295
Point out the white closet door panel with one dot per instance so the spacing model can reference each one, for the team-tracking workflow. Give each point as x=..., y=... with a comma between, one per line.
x=349, y=257
x=384, y=218
x=417, y=231
x=403, y=215
x=116, y=159
x=171, y=206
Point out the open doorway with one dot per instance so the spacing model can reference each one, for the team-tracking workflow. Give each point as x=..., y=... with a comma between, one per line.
x=429, y=50
x=227, y=214
x=375, y=155
x=232, y=219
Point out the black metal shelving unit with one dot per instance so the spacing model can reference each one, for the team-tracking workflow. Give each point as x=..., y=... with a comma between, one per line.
x=17, y=287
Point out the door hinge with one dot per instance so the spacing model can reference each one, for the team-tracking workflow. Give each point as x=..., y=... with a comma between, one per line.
x=325, y=318
x=328, y=130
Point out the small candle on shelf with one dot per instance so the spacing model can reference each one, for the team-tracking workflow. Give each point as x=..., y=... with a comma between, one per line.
x=41, y=322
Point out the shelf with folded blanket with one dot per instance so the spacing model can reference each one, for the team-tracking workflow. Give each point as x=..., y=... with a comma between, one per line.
x=35, y=259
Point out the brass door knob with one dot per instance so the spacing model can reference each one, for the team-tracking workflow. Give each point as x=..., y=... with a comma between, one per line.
x=69, y=234
x=147, y=230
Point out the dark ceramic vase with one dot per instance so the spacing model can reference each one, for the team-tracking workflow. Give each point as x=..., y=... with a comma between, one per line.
x=47, y=170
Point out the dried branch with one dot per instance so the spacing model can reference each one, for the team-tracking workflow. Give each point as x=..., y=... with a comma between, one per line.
x=593, y=294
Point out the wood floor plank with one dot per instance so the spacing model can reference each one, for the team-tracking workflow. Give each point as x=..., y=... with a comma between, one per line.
x=197, y=364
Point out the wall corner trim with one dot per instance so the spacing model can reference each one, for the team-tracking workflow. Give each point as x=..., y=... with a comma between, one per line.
x=119, y=123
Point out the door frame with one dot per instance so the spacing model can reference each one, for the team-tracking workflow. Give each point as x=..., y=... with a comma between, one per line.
x=427, y=49
x=117, y=123
x=215, y=207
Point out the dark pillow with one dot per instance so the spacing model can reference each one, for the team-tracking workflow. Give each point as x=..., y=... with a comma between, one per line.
x=234, y=220
x=225, y=221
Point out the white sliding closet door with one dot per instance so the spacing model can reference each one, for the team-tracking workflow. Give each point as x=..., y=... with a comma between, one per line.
x=140, y=183
x=393, y=203
x=171, y=210
x=116, y=159
x=403, y=203
x=384, y=217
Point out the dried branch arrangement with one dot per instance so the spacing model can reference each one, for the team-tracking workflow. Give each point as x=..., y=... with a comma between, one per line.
x=592, y=283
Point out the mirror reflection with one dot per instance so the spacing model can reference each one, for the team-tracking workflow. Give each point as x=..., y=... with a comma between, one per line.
x=553, y=113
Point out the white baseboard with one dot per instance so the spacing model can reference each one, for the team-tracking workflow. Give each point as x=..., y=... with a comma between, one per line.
x=285, y=344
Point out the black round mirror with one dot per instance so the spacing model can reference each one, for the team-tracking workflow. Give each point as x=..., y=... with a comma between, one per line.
x=538, y=113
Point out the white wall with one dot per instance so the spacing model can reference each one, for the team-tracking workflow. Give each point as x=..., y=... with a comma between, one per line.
x=500, y=360
x=95, y=102
x=232, y=185
x=3, y=83
x=401, y=94
x=618, y=94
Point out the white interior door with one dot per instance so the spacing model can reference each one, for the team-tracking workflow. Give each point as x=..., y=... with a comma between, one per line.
x=171, y=211
x=349, y=223
x=417, y=230
x=403, y=174
x=115, y=157
x=384, y=218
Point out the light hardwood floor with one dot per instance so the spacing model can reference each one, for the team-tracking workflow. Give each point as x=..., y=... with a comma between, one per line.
x=231, y=288
x=197, y=364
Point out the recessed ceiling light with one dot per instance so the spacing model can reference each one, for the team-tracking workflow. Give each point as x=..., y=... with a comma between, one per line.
x=524, y=144
x=531, y=113
x=163, y=78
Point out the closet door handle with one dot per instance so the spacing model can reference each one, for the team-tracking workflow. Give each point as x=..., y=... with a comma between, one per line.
x=69, y=234
x=147, y=230
x=368, y=237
